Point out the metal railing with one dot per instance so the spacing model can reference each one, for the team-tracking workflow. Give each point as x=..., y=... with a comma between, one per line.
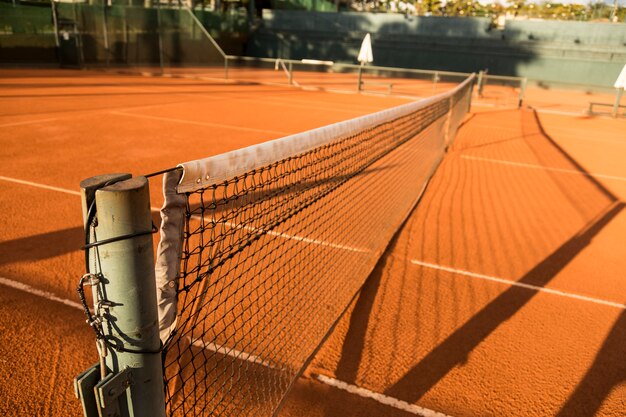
x=289, y=67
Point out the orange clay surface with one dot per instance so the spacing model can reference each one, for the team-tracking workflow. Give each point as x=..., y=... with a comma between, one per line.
x=503, y=295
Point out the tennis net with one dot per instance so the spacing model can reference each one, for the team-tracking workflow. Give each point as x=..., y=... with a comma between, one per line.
x=263, y=249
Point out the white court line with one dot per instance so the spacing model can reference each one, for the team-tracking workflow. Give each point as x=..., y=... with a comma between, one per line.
x=518, y=284
x=276, y=101
x=189, y=122
x=35, y=184
x=352, y=389
x=564, y=134
x=48, y=187
x=381, y=398
x=533, y=166
x=44, y=294
x=292, y=237
x=583, y=112
x=483, y=104
x=234, y=353
x=235, y=226
x=309, y=240
x=28, y=122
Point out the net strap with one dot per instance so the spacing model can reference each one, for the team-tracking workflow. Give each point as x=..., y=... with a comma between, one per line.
x=167, y=266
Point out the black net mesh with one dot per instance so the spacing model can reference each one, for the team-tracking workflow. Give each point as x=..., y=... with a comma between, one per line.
x=271, y=258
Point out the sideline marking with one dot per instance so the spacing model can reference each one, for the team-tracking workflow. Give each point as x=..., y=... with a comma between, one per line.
x=28, y=122
x=233, y=353
x=519, y=284
x=381, y=398
x=44, y=294
x=563, y=170
x=35, y=184
x=169, y=119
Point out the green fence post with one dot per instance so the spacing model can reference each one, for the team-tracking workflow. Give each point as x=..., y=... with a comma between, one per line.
x=55, y=23
x=105, y=33
x=131, y=383
x=161, y=63
x=618, y=98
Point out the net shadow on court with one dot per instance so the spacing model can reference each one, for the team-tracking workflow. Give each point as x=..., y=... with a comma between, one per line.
x=581, y=197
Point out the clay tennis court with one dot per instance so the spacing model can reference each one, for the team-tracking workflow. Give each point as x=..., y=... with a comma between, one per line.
x=503, y=294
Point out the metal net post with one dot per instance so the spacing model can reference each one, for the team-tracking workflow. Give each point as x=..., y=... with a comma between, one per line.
x=618, y=98
x=129, y=379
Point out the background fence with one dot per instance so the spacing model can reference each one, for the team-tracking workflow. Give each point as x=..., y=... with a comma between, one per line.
x=579, y=53
x=552, y=51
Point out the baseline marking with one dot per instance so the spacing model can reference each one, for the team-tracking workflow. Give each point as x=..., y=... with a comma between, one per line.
x=518, y=284
x=381, y=398
x=28, y=122
x=34, y=291
x=45, y=187
x=534, y=166
x=189, y=122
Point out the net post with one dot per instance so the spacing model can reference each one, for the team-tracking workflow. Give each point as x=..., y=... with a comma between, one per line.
x=226, y=66
x=435, y=79
x=447, y=124
x=125, y=296
x=470, y=95
x=479, y=82
x=522, y=91
x=618, y=98
x=290, y=70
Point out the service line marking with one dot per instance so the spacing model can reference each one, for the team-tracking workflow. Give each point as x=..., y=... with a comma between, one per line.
x=534, y=166
x=381, y=398
x=291, y=237
x=190, y=122
x=44, y=294
x=233, y=353
x=518, y=284
x=540, y=110
x=563, y=135
x=28, y=122
x=38, y=185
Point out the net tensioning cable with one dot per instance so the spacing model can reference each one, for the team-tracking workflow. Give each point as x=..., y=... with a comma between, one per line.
x=263, y=249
